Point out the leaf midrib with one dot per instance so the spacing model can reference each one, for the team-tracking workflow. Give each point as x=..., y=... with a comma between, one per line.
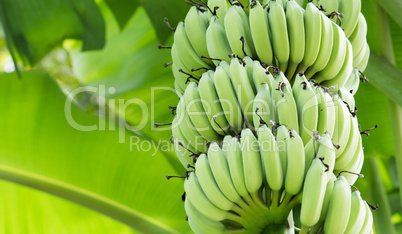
x=106, y=206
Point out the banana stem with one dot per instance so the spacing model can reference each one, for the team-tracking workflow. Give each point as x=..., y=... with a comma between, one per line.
x=275, y=198
x=304, y=230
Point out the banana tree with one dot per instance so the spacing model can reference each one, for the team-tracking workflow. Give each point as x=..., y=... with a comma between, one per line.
x=82, y=86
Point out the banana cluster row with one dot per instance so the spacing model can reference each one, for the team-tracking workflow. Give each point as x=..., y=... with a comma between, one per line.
x=329, y=206
x=278, y=33
x=251, y=184
x=226, y=101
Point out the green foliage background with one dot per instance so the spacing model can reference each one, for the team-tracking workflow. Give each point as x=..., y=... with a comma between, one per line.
x=56, y=179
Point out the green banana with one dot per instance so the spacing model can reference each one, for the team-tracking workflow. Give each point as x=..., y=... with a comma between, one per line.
x=350, y=10
x=324, y=54
x=337, y=56
x=196, y=29
x=284, y=103
x=326, y=112
x=270, y=158
x=260, y=75
x=347, y=155
x=340, y=79
x=341, y=133
x=368, y=221
x=358, y=37
x=279, y=36
x=259, y=28
x=199, y=223
x=209, y=186
x=197, y=197
x=295, y=23
x=295, y=163
x=244, y=91
x=234, y=30
x=312, y=25
x=281, y=138
x=326, y=150
x=212, y=105
x=313, y=194
x=228, y=100
x=221, y=11
x=195, y=110
x=251, y=161
x=307, y=109
x=357, y=214
x=217, y=42
x=221, y=172
x=353, y=82
x=262, y=106
x=235, y=162
x=187, y=128
x=339, y=207
x=186, y=51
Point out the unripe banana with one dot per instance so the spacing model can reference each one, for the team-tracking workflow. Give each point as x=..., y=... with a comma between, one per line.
x=326, y=113
x=358, y=37
x=235, y=161
x=209, y=185
x=352, y=85
x=347, y=155
x=221, y=11
x=341, y=133
x=198, y=198
x=186, y=51
x=217, y=42
x=350, y=10
x=295, y=24
x=260, y=75
x=220, y=170
x=187, y=128
x=295, y=163
x=307, y=107
x=310, y=151
x=227, y=97
x=357, y=214
x=178, y=142
x=337, y=56
x=234, y=30
x=279, y=33
x=260, y=33
x=326, y=150
x=196, y=29
x=340, y=79
x=281, y=138
x=251, y=161
x=364, y=60
x=285, y=105
x=262, y=107
x=270, y=158
x=244, y=91
x=339, y=207
x=212, y=105
x=368, y=221
x=246, y=26
x=313, y=193
x=312, y=25
x=200, y=223
x=195, y=110
x=324, y=54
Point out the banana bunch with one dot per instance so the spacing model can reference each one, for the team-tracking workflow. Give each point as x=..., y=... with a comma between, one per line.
x=280, y=33
x=251, y=185
x=240, y=185
x=336, y=209
x=244, y=94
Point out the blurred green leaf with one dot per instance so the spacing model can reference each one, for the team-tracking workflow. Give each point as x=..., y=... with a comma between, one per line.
x=174, y=10
x=122, y=10
x=26, y=210
x=385, y=77
x=132, y=66
x=108, y=170
x=33, y=28
x=393, y=8
x=380, y=142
